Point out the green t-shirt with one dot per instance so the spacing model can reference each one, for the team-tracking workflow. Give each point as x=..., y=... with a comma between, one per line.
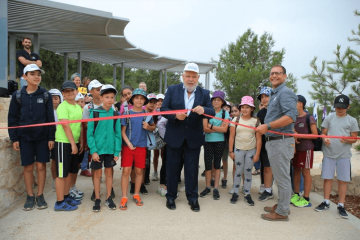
x=69, y=112
x=217, y=136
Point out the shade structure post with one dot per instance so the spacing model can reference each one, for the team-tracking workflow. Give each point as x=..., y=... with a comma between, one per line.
x=160, y=87
x=79, y=68
x=122, y=75
x=66, y=66
x=165, y=80
x=114, y=75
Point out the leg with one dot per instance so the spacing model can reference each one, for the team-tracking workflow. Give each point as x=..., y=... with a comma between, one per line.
x=268, y=177
x=307, y=181
x=247, y=169
x=60, y=186
x=327, y=188
x=297, y=177
x=97, y=176
x=156, y=159
x=225, y=158
x=109, y=181
x=218, y=151
x=163, y=167
x=208, y=161
x=29, y=179
x=239, y=165
x=125, y=180
x=41, y=172
x=173, y=170
x=342, y=187
x=191, y=170
x=53, y=169
x=138, y=179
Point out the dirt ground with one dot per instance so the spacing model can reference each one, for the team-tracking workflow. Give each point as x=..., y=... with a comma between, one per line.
x=352, y=204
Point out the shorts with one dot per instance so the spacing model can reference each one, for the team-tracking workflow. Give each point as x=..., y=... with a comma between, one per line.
x=303, y=159
x=107, y=159
x=81, y=157
x=264, y=159
x=52, y=154
x=34, y=151
x=137, y=156
x=65, y=161
x=343, y=169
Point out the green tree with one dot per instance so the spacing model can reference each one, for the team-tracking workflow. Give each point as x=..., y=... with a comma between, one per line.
x=244, y=66
x=342, y=75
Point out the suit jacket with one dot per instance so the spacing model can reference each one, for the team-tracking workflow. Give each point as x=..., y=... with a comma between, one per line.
x=191, y=127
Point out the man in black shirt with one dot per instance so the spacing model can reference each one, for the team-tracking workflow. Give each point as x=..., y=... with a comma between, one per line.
x=26, y=57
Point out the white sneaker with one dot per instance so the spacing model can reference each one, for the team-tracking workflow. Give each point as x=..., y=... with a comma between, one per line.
x=78, y=191
x=163, y=192
x=74, y=194
x=262, y=189
x=154, y=176
x=159, y=190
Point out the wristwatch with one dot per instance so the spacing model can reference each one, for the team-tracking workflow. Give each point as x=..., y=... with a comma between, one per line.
x=268, y=126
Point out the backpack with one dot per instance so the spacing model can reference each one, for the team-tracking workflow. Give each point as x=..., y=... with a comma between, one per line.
x=12, y=86
x=96, y=115
x=317, y=142
x=227, y=133
x=18, y=98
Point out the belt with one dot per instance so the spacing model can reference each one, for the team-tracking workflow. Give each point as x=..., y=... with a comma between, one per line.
x=276, y=138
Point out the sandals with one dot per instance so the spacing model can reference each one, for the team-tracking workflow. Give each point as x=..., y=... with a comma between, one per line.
x=123, y=203
x=137, y=200
x=256, y=172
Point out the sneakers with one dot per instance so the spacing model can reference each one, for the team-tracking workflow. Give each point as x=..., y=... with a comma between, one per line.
x=30, y=203
x=93, y=196
x=123, y=203
x=112, y=193
x=223, y=183
x=234, y=198
x=143, y=189
x=323, y=206
x=41, y=203
x=302, y=203
x=205, y=192
x=203, y=174
x=85, y=173
x=216, y=194
x=64, y=206
x=342, y=212
x=154, y=176
x=74, y=194
x=262, y=189
x=71, y=201
x=132, y=188
x=110, y=204
x=163, y=192
x=294, y=198
x=249, y=200
x=137, y=200
x=265, y=196
x=147, y=181
x=96, y=207
x=78, y=191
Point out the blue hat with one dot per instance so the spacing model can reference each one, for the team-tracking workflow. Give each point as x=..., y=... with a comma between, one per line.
x=139, y=91
x=264, y=90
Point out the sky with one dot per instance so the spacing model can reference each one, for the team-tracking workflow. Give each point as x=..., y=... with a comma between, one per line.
x=197, y=30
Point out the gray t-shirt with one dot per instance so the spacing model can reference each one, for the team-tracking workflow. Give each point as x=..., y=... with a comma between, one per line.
x=339, y=126
x=86, y=111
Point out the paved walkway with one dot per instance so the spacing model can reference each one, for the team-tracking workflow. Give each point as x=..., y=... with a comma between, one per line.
x=216, y=220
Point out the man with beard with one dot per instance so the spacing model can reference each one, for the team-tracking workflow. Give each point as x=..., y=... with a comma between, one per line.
x=26, y=57
x=184, y=134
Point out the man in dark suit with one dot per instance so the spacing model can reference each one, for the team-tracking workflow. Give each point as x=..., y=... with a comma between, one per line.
x=184, y=134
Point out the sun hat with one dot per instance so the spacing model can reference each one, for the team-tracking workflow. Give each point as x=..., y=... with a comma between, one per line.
x=107, y=88
x=56, y=92
x=79, y=96
x=264, y=90
x=247, y=100
x=94, y=84
x=151, y=96
x=218, y=94
x=342, y=101
x=192, y=67
x=139, y=91
x=227, y=104
x=160, y=96
x=32, y=67
x=68, y=85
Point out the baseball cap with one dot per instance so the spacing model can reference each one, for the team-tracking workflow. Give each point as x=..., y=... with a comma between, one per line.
x=160, y=96
x=68, y=85
x=55, y=92
x=302, y=99
x=264, y=90
x=79, y=96
x=33, y=67
x=151, y=96
x=94, y=84
x=342, y=101
x=192, y=67
x=107, y=88
x=139, y=91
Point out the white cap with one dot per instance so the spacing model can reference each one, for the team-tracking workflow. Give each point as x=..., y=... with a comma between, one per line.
x=107, y=87
x=79, y=96
x=151, y=96
x=55, y=92
x=192, y=67
x=32, y=67
x=160, y=96
x=94, y=84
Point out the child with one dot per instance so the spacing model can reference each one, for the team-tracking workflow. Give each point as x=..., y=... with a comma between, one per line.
x=31, y=105
x=57, y=99
x=104, y=142
x=225, y=155
x=214, y=143
x=126, y=93
x=162, y=190
x=337, y=152
x=67, y=147
x=247, y=148
x=235, y=113
x=79, y=99
x=134, y=134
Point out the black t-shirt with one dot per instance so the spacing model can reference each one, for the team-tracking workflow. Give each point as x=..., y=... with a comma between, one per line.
x=23, y=53
x=261, y=116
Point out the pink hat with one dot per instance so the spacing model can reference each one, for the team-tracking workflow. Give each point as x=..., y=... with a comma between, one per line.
x=247, y=100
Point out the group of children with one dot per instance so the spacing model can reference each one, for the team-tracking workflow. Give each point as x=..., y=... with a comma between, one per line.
x=107, y=139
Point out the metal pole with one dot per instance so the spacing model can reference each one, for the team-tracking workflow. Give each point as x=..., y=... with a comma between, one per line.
x=165, y=84
x=114, y=75
x=160, y=88
x=206, y=81
x=36, y=44
x=12, y=57
x=79, y=68
x=4, y=44
x=66, y=66
x=208, y=73
x=122, y=75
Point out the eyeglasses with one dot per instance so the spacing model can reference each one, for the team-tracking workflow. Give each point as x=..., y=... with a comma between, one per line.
x=275, y=73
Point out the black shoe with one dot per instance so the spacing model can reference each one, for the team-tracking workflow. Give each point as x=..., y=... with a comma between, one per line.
x=170, y=204
x=216, y=194
x=234, y=198
x=96, y=207
x=248, y=200
x=212, y=182
x=147, y=181
x=194, y=205
x=93, y=196
x=132, y=188
x=223, y=183
x=342, y=212
x=323, y=206
x=265, y=196
x=203, y=174
x=112, y=193
x=205, y=192
x=143, y=189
